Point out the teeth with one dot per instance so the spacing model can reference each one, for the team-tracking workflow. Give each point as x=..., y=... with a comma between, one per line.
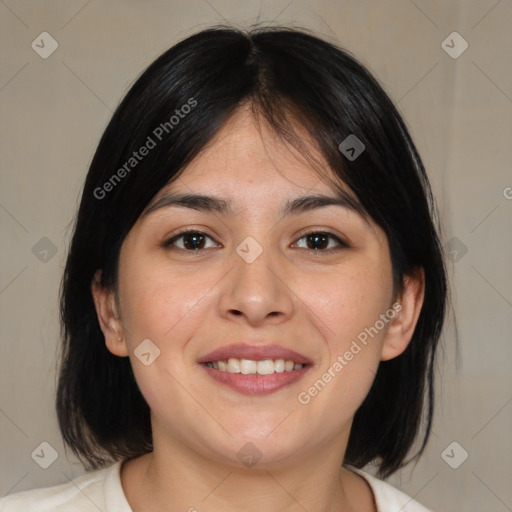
x=250, y=367
x=266, y=367
x=279, y=365
x=233, y=365
x=247, y=366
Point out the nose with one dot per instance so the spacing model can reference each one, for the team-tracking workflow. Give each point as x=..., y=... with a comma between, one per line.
x=257, y=293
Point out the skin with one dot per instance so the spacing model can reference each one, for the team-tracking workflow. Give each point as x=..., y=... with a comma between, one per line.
x=191, y=302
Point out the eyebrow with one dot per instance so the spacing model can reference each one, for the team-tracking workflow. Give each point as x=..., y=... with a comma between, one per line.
x=224, y=206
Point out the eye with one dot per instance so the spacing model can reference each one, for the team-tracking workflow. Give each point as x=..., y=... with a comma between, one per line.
x=190, y=241
x=319, y=241
x=315, y=241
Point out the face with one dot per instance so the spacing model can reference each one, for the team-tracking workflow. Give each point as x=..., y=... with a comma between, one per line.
x=311, y=285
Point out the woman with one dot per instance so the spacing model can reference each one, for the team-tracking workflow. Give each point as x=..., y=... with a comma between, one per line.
x=254, y=290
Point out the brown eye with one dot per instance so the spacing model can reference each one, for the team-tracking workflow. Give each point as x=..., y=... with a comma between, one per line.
x=320, y=241
x=190, y=241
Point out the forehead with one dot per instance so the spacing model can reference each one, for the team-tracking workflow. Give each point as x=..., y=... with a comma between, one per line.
x=247, y=168
x=246, y=154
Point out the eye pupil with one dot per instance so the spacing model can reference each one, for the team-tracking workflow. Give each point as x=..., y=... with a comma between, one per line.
x=318, y=238
x=193, y=241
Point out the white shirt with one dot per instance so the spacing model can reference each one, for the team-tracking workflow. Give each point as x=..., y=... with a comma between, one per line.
x=102, y=490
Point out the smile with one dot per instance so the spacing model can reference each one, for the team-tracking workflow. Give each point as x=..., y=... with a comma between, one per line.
x=252, y=367
x=243, y=375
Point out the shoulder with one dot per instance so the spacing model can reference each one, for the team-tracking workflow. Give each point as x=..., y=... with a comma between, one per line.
x=93, y=491
x=387, y=497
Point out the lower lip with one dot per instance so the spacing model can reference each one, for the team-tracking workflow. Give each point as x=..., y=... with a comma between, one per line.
x=256, y=384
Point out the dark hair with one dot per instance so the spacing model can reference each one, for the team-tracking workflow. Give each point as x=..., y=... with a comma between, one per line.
x=293, y=79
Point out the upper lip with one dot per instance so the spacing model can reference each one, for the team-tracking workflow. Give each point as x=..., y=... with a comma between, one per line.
x=254, y=353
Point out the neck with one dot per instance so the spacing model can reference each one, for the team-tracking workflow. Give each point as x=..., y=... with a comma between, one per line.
x=173, y=477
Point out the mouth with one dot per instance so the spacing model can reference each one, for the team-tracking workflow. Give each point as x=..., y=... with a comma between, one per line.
x=253, y=367
x=255, y=370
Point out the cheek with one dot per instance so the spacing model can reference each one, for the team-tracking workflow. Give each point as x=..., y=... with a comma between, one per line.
x=160, y=300
x=347, y=301
x=348, y=307
x=164, y=306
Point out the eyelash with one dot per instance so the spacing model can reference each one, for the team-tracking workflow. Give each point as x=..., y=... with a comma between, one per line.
x=342, y=244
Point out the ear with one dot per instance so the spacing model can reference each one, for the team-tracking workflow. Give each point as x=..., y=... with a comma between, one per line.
x=408, y=308
x=108, y=318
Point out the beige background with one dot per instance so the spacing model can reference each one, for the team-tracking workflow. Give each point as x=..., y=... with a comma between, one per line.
x=54, y=110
